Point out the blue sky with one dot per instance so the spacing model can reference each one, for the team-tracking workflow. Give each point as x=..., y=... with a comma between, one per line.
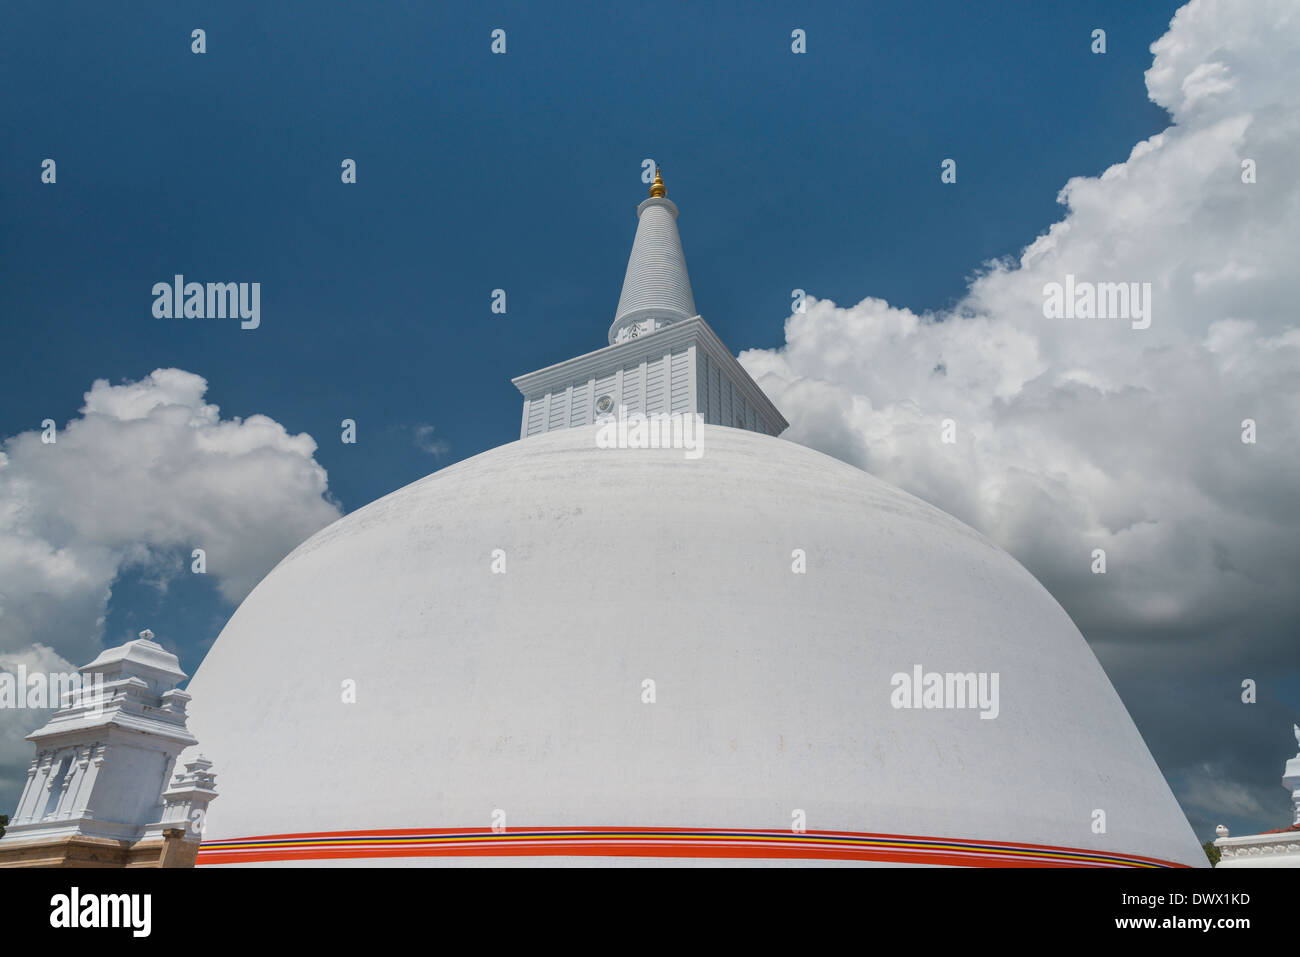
x=519, y=172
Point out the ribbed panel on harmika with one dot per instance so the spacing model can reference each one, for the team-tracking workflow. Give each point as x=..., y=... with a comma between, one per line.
x=656, y=271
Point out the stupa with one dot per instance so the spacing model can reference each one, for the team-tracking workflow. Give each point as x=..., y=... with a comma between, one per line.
x=574, y=649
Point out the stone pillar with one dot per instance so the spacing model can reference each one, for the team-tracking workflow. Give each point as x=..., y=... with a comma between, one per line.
x=34, y=787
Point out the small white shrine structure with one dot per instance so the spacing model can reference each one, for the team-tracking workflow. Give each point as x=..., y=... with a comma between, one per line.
x=1276, y=848
x=97, y=792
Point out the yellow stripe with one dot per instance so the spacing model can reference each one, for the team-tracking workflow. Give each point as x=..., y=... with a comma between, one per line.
x=692, y=837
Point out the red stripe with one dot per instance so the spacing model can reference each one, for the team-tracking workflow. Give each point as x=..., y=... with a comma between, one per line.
x=692, y=843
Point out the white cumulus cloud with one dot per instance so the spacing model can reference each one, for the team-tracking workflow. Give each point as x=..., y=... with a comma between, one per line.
x=1079, y=434
x=147, y=469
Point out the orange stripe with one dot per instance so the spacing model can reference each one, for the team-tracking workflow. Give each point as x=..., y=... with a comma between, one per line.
x=663, y=842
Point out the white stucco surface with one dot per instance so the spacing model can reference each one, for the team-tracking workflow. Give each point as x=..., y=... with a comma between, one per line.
x=657, y=284
x=523, y=691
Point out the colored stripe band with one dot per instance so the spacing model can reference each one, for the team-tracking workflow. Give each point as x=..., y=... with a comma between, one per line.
x=658, y=842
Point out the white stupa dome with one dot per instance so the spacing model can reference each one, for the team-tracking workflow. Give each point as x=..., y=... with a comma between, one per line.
x=561, y=651
x=518, y=698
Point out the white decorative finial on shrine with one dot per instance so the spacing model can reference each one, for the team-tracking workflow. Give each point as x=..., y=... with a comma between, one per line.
x=1291, y=779
x=186, y=800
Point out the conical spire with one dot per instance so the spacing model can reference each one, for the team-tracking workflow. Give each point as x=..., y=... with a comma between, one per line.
x=656, y=289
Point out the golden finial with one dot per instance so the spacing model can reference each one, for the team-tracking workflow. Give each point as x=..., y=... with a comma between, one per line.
x=657, y=187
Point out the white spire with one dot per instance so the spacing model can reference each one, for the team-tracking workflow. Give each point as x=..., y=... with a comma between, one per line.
x=657, y=289
x=662, y=357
